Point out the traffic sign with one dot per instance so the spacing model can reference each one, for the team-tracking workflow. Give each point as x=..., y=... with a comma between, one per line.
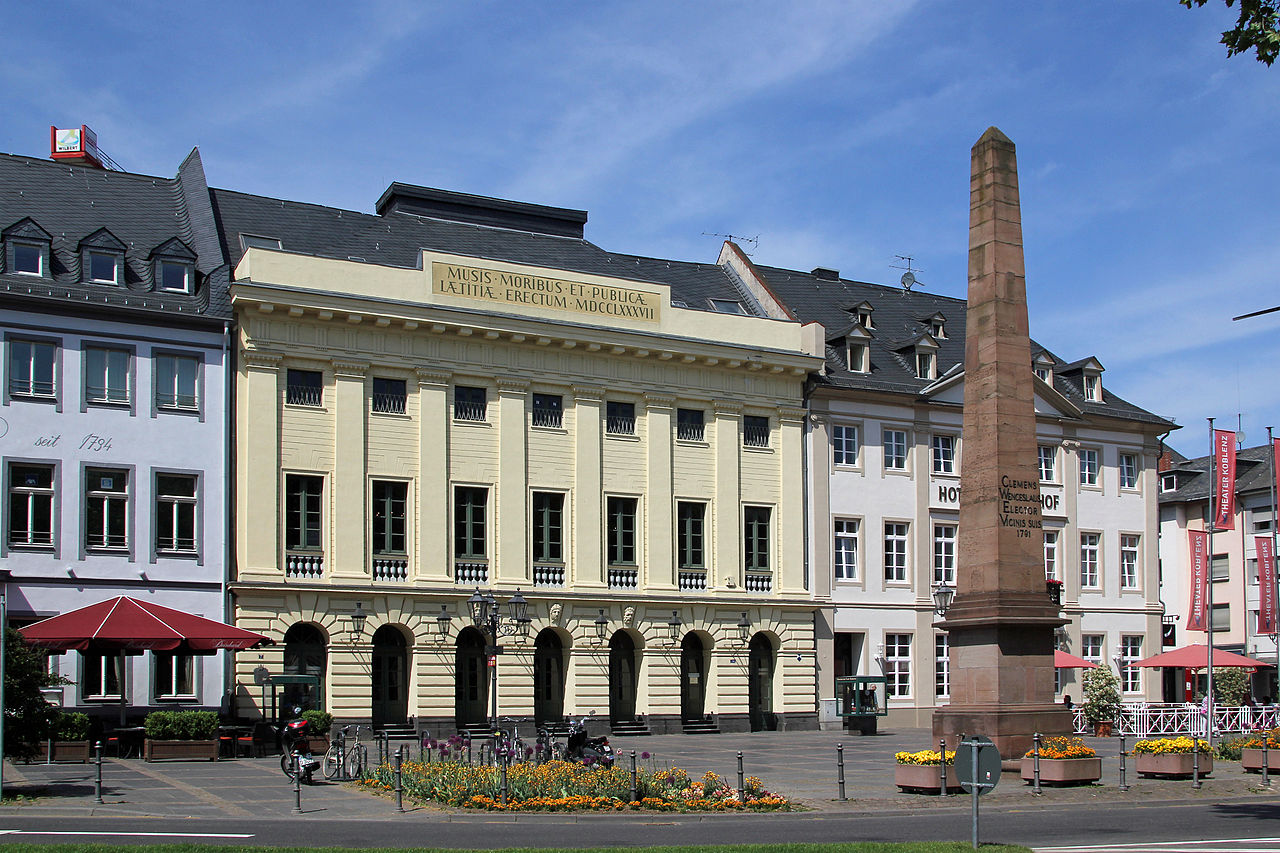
x=977, y=764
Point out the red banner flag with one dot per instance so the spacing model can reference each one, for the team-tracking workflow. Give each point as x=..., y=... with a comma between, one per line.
x=1266, y=585
x=1199, y=540
x=1275, y=469
x=1224, y=479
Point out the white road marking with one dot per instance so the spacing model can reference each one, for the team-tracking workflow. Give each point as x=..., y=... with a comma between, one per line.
x=130, y=834
x=1213, y=845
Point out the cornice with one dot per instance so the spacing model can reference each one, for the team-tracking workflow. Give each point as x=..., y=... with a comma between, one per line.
x=262, y=359
x=588, y=392
x=512, y=386
x=350, y=369
x=428, y=378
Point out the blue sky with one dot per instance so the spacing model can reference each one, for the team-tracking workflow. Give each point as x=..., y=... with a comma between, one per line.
x=836, y=132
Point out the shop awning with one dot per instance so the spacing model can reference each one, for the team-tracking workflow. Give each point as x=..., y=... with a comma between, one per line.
x=125, y=624
x=1197, y=657
x=1063, y=660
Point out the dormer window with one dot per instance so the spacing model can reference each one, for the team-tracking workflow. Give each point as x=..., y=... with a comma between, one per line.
x=1168, y=482
x=173, y=277
x=1042, y=366
x=28, y=259
x=856, y=357
x=727, y=306
x=102, y=258
x=103, y=268
x=1044, y=373
x=926, y=364
x=938, y=329
x=27, y=248
x=864, y=318
x=173, y=267
x=1092, y=387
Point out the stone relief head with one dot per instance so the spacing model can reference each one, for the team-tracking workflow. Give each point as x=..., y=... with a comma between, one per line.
x=628, y=616
x=555, y=613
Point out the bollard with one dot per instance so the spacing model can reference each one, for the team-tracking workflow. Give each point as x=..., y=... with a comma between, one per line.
x=399, y=781
x=840, y=770
x=634, y=796
x=942, y=765
x=1123, y=786
x=1195, y=762
x=1266, y=736
x=742, y=784
x=97, y=783
x=48, y=759
x=1035, y=763
x=297, y=785
x=468, y=750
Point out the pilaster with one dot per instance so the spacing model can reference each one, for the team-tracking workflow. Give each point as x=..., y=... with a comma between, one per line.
x=588, y=550
x=660, y=551
x=727, y=507
x=434, y=502
x=258, y=452
x=511, y=562
x=790, y=561
x=348, y=493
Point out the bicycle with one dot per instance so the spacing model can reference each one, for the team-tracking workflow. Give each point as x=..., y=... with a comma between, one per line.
x=505, y=745
x=344, y=760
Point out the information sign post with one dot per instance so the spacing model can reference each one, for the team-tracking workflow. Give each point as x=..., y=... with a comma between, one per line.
x=978, y=771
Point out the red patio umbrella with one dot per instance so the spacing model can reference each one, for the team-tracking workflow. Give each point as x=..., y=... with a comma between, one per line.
x=126, y=625
x=1063, y=660
x=1197, y=657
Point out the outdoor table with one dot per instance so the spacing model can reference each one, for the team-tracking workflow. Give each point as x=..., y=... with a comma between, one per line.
x=131, y=738
x=230, y=735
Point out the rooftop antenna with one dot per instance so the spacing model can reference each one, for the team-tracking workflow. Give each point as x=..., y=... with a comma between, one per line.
x=908, y=279
x=754, y=241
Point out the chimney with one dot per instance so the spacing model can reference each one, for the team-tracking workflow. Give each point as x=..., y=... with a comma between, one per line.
x=825, y=273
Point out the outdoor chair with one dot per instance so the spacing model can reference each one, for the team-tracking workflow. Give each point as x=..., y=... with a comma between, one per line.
x=259, y=742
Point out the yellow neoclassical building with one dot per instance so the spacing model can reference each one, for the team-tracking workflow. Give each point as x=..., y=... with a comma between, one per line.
x=460, y=401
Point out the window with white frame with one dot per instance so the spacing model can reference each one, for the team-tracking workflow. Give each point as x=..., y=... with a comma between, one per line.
x=1042, y=373
x=106, y=377
x=925, y=365
x=174, y=675
x=845, y=549
x=1091, y=647
x=844, y=444
x=173, y=276
x=944, y=454
x=1048, y=456
x=944, y=553
x=1057, y=673
x=1168, y=482
x=1130, y=675
x=1129, y=561
x=30, y=506
x=101, y=677
x=1088, y=467
x=28, y=258
x=897, y=664
x=856, y=357
x=1089, y=560
x=1092, y=387
x=941, y=666
x=32, y=368
x=176, y=503
x=895, y=551
x=106, y=511
x=177, y=378
x=1128, y=470
x=1051, y=555
x=103, y=268
x=895, y=449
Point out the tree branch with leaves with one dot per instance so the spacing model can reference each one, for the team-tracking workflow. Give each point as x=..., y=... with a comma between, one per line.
x=1257, y=28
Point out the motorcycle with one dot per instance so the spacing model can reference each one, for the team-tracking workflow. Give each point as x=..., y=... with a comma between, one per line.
x=587, y=750
x=297, y=748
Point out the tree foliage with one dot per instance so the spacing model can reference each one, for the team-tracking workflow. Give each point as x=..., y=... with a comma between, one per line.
x=1230, y=685
x=1101, y=694
x=28, y=717
x=1257, y=28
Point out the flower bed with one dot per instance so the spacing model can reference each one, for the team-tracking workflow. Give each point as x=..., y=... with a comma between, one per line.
x=565, y=786
x=1172, y=756
x=917, y=772
x=1063, y=761
x=1251, y=751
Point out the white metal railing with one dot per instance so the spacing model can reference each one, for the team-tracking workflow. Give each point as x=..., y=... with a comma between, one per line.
x=1147, y=719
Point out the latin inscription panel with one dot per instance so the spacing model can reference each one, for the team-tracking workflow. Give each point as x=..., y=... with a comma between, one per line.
x=522, y=290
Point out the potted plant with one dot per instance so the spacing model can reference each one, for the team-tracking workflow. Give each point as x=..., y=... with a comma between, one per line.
x=70, y=741
x=1063, y=761
x=318, y=725
x=190, y=735
x=1251, y=751
x=918, y=772
x=1101, y=699
x=1172, y=756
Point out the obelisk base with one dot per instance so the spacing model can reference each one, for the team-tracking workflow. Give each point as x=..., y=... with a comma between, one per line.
x=1010, y=727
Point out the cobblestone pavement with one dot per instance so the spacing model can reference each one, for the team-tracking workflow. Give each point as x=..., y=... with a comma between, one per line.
x=801, y=765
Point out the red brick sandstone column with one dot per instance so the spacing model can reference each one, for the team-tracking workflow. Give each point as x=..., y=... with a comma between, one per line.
x=1001, y=622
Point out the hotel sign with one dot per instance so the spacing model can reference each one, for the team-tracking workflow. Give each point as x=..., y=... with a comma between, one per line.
x=522, y=290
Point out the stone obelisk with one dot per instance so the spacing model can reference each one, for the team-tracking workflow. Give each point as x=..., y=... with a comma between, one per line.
x=1001, y=623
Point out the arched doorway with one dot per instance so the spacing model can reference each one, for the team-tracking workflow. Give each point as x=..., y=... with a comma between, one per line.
x=470, y=679
x=390, y=676
x=693, y=678
x=548, y=677
x=622, y=678
x=761, y=661
x=305, y=653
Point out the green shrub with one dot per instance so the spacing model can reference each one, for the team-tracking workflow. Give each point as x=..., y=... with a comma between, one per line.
x=74, y=726
x=1230, y=685
x=319, y=722
x=1101, y=694
x=1229, y=748
x=181, y=725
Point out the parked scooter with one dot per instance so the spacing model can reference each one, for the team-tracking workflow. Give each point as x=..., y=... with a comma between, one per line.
x=587, y=750
x=294, y=738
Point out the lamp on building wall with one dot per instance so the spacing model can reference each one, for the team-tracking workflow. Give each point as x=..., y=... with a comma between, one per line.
x=673, y=627
x=880, y=658
x=744, y=628
x=602, y=627
x=442, y=622
x=487, y=616
x=943, y=594
x=358, y=617
x=1118, y=657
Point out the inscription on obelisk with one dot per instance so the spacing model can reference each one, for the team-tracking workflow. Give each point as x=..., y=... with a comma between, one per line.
x=1000, y=626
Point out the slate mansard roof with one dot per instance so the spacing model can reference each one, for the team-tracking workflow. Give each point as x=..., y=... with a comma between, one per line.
x=415, y=218
x=901, y=319
x=1193, y=478
x=73, y=208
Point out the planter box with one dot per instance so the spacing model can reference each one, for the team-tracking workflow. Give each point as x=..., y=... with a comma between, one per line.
x=1063, y=771
x=1102, y=729
x=915, y=778
x=181, y=750
x=1251, y=760
x=1172, y=764
x=77, y=751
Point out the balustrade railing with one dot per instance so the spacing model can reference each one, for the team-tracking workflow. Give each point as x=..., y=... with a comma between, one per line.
x=758, y=582
x=469, y=573
x=303, y=565
x=623, y=578
x=692, y=579
x=548, y=574
x=1156, y=719
x=390, y=569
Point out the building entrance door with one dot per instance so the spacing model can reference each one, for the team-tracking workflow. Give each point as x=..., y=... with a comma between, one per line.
x=390, y=676
x=760, y=666
x=548, y=678
x=471, y=679
x=693, y=683
x=622, y=678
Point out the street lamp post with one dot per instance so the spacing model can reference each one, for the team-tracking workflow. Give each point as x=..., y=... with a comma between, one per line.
x=943, y=594
x=487, y=616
